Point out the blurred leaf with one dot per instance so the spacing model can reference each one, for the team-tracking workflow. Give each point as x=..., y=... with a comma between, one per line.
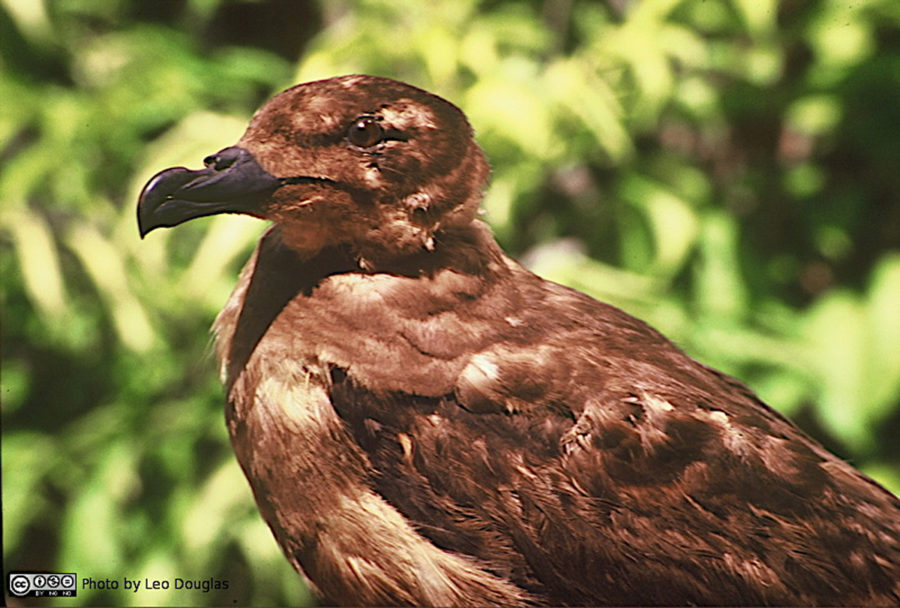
x=106, y=267
x=672, y=222
x=814, y=114
x=209, y=275
x=214, y=507
x=27, y=457
x=720, y=289
x=523, y=119
x=93, y=535
x=835, y=329
x=759, y=15
x=38, y=260
x=839, y=36
x=883, y=329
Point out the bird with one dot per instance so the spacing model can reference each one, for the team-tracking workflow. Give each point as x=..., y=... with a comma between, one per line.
x=423, y=421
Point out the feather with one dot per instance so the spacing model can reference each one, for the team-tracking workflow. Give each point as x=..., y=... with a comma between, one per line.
x=424, y=421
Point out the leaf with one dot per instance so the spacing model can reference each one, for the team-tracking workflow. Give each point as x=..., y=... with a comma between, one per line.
x=835, y=330
x=720, y=289
x=27, y=457
x=38, y=260
x=883, y=332
x=106, y=267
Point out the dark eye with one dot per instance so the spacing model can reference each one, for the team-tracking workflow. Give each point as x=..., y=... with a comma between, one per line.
x=364, y=132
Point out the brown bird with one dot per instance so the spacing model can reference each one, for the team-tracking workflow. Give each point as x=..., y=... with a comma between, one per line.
x=423, y=421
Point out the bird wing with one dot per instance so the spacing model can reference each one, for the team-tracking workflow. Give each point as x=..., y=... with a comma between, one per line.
x=564, y=445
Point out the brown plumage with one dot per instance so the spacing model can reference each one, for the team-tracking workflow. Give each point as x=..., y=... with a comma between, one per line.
x=423, y=421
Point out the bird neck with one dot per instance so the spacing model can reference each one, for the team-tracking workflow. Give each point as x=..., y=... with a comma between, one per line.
x=469, y=248
x=277, y=273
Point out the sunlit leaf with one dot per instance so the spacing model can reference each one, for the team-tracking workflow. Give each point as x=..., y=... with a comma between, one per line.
x=672, y=221
x=836, y=334
x=26, y=459
x=106, y=267
x=883, y=325
x=38, y=260
x=720, y=287
x=224, y=491
x=759, y=16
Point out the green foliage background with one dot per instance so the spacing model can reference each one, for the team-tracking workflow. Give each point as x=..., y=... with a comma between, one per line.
x=725, y=169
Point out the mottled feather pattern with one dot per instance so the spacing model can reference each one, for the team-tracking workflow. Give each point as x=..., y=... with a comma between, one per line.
x=425, y=422
x=566, y=468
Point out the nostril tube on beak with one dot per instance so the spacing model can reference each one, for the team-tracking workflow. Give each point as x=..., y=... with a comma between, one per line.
x=231, y=182
x=226, y=157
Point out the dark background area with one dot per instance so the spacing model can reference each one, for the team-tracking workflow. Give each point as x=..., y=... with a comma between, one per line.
x=727, y=170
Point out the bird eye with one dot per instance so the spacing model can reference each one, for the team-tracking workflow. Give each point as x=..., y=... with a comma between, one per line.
x=365, y=132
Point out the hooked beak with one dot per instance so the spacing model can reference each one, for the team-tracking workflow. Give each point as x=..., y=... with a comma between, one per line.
x=231, y=182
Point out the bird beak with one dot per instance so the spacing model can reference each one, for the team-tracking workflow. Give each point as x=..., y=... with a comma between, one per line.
x=232, y=182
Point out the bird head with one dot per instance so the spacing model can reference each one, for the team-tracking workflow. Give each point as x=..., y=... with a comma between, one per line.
x=370, y=163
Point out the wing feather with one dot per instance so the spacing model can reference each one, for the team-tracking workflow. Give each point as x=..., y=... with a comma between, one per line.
x=569, y=448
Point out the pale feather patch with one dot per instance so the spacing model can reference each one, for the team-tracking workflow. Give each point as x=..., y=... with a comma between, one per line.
x=418, y=200
x=361, y=291
x=732, y=437
x=293, y=399
x=350, y=82
x=373, y=177
x=487, y=367
x=406, y=443
x=777, y=457
x=519, y=465
x=316, y=115
x=402, y=558
x=406, y=113
x=656, y=411
x=719, y=417
x=422, y=200
x=752, y=570
x=479, y=375
x=655, y=404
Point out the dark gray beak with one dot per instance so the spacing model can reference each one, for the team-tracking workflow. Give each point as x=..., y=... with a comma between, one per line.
x=232, y=182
